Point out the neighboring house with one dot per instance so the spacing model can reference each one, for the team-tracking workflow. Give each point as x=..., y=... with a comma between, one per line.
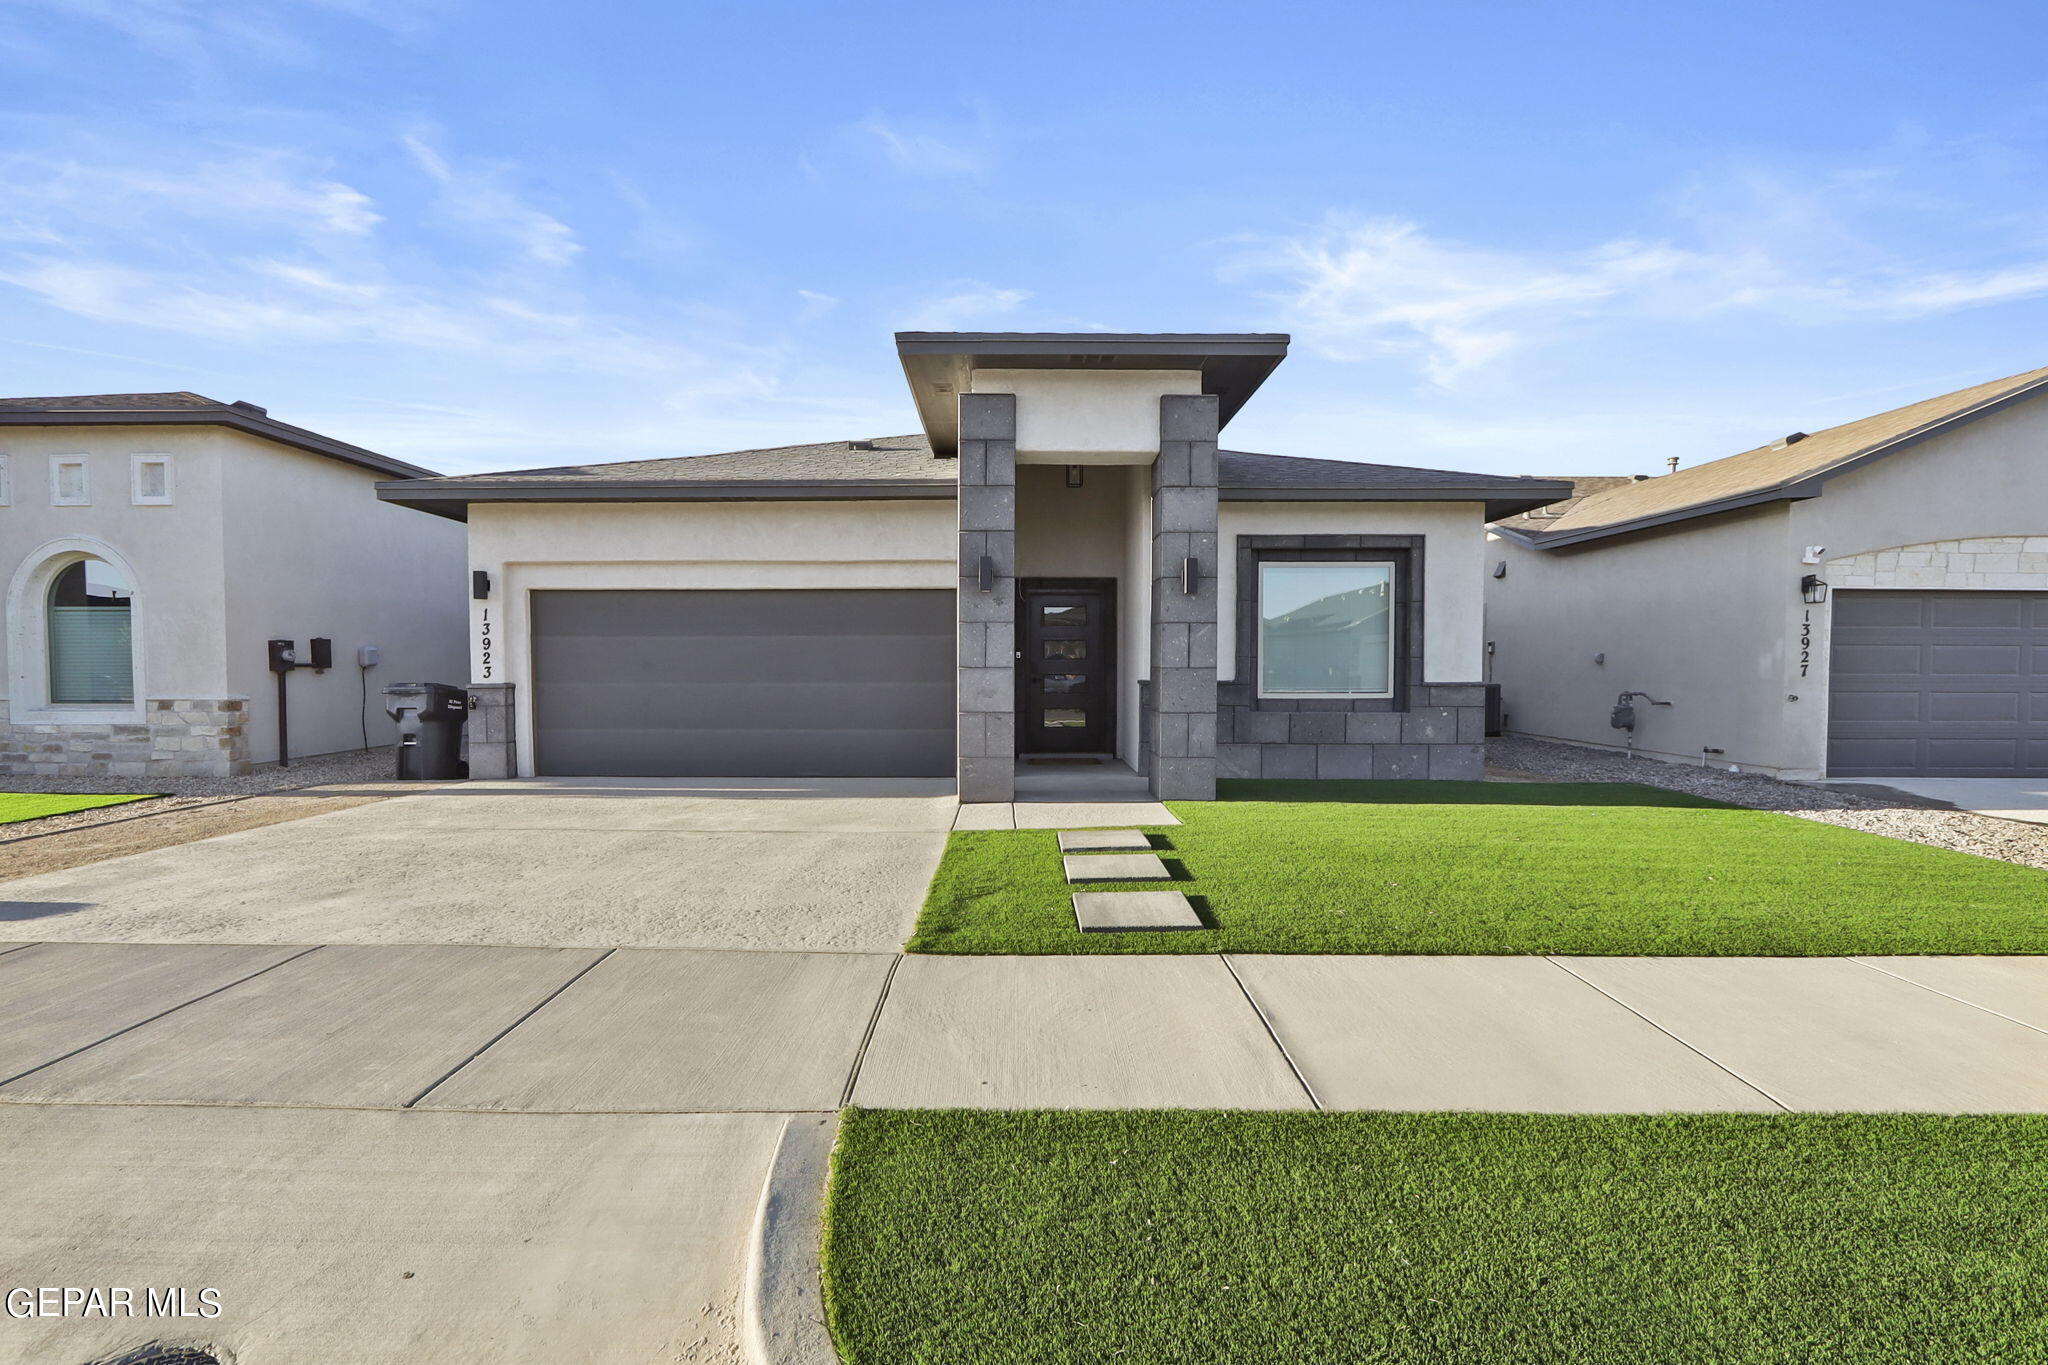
x=155, y=542
x=1925, y=531
x=1061, y=563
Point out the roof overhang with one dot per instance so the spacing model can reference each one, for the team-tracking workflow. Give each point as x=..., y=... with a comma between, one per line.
x=452, y=497
x=1508, y=498
x=1792, y=490
x=245, y=420
x=938, y=365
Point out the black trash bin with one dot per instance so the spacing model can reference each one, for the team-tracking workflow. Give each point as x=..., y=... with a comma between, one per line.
x=430, y=717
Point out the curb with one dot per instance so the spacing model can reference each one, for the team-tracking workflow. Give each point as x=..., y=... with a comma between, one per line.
x=782, y=1306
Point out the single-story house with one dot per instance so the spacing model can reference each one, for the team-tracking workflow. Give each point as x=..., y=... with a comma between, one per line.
x=1866, y=601
x=156, y=543
x=1061, y=563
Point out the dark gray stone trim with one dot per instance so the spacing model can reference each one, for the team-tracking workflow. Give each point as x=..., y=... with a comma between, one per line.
x=987, y=686
x=1180, y=727
x=1426, y=730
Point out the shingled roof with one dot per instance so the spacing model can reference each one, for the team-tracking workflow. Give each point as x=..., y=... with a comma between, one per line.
x=1795, y=466
x=897, y=467
x=184, y=408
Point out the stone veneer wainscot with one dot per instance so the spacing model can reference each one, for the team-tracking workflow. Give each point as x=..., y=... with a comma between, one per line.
x=178, y=737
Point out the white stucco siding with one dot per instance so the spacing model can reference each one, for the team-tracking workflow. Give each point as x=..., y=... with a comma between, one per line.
x=310, y=551
x=175, y=553
x=1087, y=417
x=1454, y=545
x=532, y=547
x=1135, y=629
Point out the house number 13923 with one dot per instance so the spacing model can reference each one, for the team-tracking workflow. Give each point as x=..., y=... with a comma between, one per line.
x=484, y=641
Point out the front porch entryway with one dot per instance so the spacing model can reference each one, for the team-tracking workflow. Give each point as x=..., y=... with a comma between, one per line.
x=1066, y=666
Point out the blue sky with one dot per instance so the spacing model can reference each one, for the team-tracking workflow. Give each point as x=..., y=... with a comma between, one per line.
x=1529, y=238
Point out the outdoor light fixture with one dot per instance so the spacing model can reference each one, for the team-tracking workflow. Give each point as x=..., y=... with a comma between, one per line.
x=1073, y=476
x=988, y=573
x=1812, y=589
x=1190, y=575
x=1500, y=570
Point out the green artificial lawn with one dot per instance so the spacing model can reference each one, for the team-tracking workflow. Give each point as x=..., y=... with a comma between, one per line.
x=16, y=806
x=1498, y=867
x=1163, y=1238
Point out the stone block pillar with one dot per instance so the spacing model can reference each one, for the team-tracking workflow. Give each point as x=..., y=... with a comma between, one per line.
x=1182, y=721
x=489, y=732
x=987, y=678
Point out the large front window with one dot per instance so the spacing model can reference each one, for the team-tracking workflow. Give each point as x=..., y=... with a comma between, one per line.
x=92, y=653
x=1326, y=630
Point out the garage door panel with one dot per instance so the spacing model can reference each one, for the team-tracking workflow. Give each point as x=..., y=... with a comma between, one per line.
x=1863, y=660
x=1994, y=660
x=1877, y=706
x=1974, y=708
x=1975, y=611
x=1939, y=684
x=787, y=683
x=1885, y=609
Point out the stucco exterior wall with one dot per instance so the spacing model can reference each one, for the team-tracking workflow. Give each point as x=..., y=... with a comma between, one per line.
x=1088, y=416
x=310, y=551
x=1702, y=617
x=1453, y=584
x=1709, y=616
x=537, y=547
x=175, y=557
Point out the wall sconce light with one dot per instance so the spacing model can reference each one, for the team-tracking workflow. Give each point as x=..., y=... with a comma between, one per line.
x=988, y=573
x=1500, y=570
x=1190, y=575
x=1813, y=589
x=1073, y=476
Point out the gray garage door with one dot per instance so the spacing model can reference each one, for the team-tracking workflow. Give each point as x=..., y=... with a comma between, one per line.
x=1939, y=684
x=743, y=684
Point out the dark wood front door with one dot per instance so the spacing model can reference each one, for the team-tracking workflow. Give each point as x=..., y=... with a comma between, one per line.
x=1066, y=679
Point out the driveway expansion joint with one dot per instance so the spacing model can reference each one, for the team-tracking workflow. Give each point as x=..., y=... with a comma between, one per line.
x=501, y=1033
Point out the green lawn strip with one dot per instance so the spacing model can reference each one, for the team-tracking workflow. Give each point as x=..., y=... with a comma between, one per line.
x=18, y=806
x=1454, y=867
x=1178, y=1238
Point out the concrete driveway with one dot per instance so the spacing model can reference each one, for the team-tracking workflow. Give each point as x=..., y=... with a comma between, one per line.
x=823, y=865
x=385, y=1236
x=2009, y=798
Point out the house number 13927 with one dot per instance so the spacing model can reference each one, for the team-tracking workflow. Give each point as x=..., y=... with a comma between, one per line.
x=1805, y=643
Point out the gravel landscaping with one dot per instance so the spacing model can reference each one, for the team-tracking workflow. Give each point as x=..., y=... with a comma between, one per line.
x=351, y=766
x=1961, y=831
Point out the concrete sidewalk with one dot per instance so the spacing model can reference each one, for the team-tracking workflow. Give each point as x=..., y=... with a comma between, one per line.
x=526, y=1030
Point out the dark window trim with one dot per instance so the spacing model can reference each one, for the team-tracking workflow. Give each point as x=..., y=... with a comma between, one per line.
x=1403, y=552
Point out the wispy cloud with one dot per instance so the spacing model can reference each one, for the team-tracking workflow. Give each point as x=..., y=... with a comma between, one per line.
x=196, y=34
x=925, y=153
x=1356, y=287
x=964, y=304
x=476, y=196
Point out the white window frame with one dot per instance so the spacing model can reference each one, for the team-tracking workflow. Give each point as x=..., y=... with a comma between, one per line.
x=6, y=483
x=28, y=638
x=57, y=498
x=1393, y=631
x=136, y=463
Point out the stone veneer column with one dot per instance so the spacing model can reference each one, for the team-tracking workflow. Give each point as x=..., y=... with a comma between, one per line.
x=489, y=732
x=987, y=676
x=1183, y=714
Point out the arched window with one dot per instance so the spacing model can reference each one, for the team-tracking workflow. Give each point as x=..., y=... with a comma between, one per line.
x=92, y=650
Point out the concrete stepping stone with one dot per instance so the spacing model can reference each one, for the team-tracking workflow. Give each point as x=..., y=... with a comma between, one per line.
x=1104, y=841
x=1116, y=867
x=1116, y=912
